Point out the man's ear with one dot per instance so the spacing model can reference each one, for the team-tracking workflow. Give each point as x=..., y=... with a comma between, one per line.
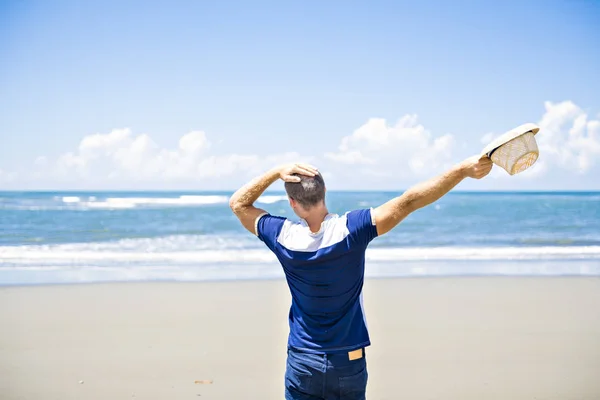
x=292, y=202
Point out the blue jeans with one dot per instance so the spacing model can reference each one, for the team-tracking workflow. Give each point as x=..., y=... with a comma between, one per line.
x=325, y=376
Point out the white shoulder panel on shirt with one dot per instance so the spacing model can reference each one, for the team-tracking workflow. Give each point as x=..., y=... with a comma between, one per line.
x=296, y=236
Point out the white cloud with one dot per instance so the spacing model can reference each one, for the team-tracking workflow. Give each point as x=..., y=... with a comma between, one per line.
x=567, y=140
x=119, y=154
x=349, y=157
x=41, y=161
x=385, y=155
x=120, y=157
x=391, y=149
x=568, y=137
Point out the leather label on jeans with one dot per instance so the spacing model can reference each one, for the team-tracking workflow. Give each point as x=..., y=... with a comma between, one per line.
x=355, y=355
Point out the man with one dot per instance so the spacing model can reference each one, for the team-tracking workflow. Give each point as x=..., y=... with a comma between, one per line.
x=323, y=257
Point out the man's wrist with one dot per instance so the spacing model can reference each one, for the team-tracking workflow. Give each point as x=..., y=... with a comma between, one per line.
x=461, y=168
x=275, y=173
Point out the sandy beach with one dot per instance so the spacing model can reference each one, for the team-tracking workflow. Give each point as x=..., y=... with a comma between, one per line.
x=433, y=338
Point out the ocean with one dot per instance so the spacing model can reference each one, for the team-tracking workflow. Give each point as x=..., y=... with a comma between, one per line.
x=73, y=237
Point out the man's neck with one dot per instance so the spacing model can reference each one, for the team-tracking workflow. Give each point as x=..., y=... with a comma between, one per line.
x=316, y=218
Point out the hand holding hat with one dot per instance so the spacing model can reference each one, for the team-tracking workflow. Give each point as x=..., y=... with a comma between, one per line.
x=477, y=167
x=516, y=150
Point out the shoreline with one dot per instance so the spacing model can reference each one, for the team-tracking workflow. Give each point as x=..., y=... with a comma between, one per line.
x=282, y=279
x=228, y=272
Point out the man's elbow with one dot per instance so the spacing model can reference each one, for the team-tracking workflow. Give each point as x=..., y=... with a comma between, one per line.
x=235, y=205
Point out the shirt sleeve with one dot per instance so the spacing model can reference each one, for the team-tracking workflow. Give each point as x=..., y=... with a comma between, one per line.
x=268, y=228
x=361, y=226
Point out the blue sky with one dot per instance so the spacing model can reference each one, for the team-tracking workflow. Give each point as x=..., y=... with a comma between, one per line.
x=203, y=95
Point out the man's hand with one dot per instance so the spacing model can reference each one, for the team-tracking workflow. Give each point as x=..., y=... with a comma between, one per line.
x=477, y=167
x=286, y=172
x=242, y=201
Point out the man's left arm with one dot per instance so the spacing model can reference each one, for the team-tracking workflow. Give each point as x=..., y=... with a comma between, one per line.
x=242, y=201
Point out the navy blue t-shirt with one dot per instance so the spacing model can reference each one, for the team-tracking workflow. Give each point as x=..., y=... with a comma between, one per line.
x=325, y=274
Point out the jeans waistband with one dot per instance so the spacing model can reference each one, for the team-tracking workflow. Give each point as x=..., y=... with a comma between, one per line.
x=348, y=355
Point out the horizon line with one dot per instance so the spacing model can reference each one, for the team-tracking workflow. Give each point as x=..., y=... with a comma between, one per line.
x=279, y=191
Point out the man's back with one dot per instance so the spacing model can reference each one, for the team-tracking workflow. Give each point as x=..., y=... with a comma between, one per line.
x=325, y=274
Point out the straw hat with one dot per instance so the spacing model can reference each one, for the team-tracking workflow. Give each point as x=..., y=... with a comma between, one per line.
x=516, y=150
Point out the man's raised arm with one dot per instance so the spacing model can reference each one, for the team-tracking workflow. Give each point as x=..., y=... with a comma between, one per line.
x=388, y=215
x=242, y=201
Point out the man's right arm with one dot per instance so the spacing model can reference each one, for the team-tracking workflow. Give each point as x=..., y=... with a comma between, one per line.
x=390, y=214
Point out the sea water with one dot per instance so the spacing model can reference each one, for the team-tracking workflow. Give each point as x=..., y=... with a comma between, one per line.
x=70, y=237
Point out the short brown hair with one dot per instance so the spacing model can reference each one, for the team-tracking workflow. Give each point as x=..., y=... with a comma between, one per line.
x=309, y=192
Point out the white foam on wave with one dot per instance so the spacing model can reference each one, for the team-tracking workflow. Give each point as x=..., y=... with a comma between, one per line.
x=271, y=199
x=116, y=203
x=108, y=204
x=90, y=273
x=68, y=273
x=114, y=257
x=484, y=253
x=210, y=250
x=206, y=257
x=132, y=202
x=163, y=244
x=184, y=200
x=171, y=243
